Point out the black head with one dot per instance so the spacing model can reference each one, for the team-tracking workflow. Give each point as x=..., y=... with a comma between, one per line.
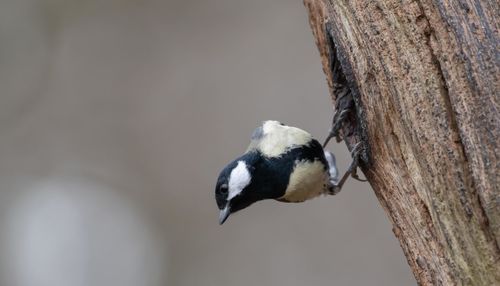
x=237, y=185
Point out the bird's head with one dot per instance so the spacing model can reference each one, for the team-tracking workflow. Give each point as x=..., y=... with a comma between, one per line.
x=235, y=189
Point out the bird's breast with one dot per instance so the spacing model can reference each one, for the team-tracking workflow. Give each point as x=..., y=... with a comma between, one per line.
x=308, y=180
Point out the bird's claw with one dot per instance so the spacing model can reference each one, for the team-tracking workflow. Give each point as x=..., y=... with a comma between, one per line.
x=343, y=107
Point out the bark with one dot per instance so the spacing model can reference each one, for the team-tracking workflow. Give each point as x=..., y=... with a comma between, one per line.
x=425, y=78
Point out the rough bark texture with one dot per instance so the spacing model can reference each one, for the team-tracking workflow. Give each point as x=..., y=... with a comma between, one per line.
x=426, y=77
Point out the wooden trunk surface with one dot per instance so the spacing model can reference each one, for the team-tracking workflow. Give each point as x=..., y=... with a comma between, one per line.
x=427, y=74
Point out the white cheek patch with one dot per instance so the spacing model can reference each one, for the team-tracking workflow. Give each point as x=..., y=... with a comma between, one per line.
x=238, y=180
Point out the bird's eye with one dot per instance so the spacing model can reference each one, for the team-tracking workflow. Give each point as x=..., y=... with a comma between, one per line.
x=223, y=189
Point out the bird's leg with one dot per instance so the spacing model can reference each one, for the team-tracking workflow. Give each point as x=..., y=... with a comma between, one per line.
x=336, y=186
x=344, y=105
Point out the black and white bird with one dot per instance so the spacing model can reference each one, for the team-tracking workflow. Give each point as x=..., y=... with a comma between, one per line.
x=283, y=163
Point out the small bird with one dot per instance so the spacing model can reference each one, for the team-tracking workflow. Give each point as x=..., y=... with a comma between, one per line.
x=283, y=163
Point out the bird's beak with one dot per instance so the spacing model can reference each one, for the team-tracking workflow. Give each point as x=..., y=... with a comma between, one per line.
x=224, y=214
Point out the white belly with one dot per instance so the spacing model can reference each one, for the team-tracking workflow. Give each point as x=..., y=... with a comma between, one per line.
x=308, y=180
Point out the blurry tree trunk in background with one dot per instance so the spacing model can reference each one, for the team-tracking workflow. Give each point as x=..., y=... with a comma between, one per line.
x=425, y=74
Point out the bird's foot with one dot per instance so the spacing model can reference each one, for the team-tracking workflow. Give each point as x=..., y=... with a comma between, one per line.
x=336, y=185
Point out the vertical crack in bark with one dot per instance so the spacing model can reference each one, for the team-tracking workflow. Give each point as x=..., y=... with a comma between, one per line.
x=343, y=81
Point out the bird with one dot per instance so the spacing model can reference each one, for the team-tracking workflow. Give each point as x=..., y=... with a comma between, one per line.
x=283, y=163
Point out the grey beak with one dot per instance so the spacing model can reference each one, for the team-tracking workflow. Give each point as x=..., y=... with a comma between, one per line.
x=224, y=214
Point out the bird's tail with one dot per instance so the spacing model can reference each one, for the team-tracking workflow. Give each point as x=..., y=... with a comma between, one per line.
x=332, y=168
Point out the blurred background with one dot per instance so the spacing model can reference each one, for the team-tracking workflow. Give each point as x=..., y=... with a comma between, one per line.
x=115, y=120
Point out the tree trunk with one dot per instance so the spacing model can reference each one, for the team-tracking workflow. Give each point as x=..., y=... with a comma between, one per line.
x=425, y=80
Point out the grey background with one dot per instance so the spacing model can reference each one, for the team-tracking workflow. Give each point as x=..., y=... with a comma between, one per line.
x=115, y=119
